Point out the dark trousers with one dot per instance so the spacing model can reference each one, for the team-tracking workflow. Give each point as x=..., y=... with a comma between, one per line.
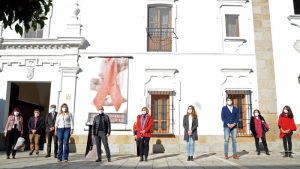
x=287, y=143
x=144, y=146
x=12, y=137
x=102, y=136
x=263, y=139
x=50, y=136
x=137, y=147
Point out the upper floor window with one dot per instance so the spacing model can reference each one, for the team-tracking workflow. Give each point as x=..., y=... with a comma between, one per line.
x=38, y=33
x=159, y=28
x=232, y=25
x=297, y=7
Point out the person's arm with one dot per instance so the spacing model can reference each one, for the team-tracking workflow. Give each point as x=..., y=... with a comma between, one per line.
x=236, y=120
x=6, y=126
x=40, y=126
x=56, y=125
x=29, y=125
x=21, y=125
x=185, y=126
x=149, y=126
x=293, y=125
x=109, y=125
x=72, y=123
x=223, y=116
x=196, y=124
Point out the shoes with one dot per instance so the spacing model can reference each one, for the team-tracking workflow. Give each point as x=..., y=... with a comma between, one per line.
x=258, y=153
x=37, y=153
x=189, y=158
x=290, y=155
x=98, y=160
x=55, y=155
x=109, y=160
x=59, y=161
x=268, y=153
x=66, y=161
x=236, y=157
x=7, y=157
x=30, y=153
x=13, y=157
x=192, y=158
x=46, y=156
x=285, y=155
x=226, y=157
x=141, y=159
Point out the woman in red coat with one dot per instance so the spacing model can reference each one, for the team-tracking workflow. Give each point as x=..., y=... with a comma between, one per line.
x=287, y=125
x=144, y=126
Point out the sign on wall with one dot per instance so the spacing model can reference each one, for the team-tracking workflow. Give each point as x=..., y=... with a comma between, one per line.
x=109, y=86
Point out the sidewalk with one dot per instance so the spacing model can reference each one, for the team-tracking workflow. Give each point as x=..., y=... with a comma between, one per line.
x=163, y=161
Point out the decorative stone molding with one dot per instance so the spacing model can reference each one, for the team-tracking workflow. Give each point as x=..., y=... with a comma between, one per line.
x=59, y=43
x=232, y=2
x=235, y=73
x=294, y=20
x=297, y=45
x=162, y=73
x=70, y=71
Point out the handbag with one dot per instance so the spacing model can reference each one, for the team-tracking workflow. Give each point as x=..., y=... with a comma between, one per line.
x=20, y=145
x=265, y=127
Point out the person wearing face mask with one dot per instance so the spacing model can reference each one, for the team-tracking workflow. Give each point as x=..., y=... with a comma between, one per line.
x=35, y=126
x=230, y=118
x=144, y=128
x=190, y=125
x=256, y=127
x=64, y=126
x=50, y=127
x=286, y=126
x=13, y=130
x=101, y=131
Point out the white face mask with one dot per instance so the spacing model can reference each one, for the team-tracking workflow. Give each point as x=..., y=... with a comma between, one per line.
x=52, y=109
x=229, y=102
x=256, y=114
x=285, y=111
x=36, y=114
x=64, y=109
x=143, y=112
x=100, y=111
x=190, y=111
x=16, y=113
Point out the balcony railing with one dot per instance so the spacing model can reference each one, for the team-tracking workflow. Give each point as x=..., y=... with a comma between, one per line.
x=160, y=39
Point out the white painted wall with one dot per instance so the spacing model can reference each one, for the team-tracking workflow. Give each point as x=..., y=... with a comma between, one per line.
x=284, y=35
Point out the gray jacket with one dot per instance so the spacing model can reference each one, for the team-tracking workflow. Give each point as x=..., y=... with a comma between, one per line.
x=186, y=128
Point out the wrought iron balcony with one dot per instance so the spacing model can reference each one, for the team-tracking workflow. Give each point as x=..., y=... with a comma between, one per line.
x=160, y=39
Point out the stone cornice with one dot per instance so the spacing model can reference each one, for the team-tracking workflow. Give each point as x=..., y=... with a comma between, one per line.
x=59, y=43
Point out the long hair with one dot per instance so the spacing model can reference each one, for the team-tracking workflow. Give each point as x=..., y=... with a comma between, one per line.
x=194, y=113
x=257, y=111
x=290, y=112
x=15, y=109
x=64, y=105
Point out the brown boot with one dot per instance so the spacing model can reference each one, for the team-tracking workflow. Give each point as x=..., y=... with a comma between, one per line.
x=226, y=157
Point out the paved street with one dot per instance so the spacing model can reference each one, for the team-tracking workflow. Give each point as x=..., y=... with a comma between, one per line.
x=161, y=161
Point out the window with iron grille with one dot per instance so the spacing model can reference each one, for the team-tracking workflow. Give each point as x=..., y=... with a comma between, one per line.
x=159, y=29
x=242, y=100
x=296, y=7
x=232, y=25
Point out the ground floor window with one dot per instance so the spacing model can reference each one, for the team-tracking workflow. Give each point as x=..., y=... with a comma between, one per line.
x=242, y=100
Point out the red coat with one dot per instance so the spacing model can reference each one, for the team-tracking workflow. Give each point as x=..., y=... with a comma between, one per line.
x=286, y=123
x=147, y=127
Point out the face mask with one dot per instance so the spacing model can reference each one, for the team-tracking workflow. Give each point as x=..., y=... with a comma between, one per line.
x=100, y=111
x=53, y=110
x=143, y=112
x=16, y=113
x=36, y=114
x=229, y=102
x=190, y=111
x=285, y=111
x=64, y=109
x=256, y=114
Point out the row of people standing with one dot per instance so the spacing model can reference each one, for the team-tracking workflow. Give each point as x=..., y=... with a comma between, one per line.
x=59, y=127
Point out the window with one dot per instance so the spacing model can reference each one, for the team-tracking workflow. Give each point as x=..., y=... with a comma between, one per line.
x=242, y=100
x=160, y=113
x=38, y=33
x=159, y=29
x=297, y=7
x=232, y=25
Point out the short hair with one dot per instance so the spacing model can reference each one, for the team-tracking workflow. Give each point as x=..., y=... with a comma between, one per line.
x=228, y=97
x=36, y=110
x=53, y=106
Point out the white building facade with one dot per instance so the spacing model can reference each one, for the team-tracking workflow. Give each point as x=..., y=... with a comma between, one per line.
x=177, y=54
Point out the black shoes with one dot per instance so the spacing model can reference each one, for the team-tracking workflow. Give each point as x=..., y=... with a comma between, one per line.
x=290, y=155
x=30, y=153
x=141, y=159
x=98, y=160
x=55, y=155
x=267, y=153
x=190, y=158
x=285, y=155
x=258, y=153
x=47, y=156
x=109, y=160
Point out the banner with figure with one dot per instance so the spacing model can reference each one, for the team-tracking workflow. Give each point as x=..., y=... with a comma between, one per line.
x=110, y=85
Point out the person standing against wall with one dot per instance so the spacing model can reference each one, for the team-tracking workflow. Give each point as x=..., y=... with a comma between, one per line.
x=64, y=126
x=256, y=126
x=35, y=126
x=287, y=126
x=13, y=130
x=50, y=129
x=101, y=131
x=144, y=127
x=230, y=118
x=190, y=125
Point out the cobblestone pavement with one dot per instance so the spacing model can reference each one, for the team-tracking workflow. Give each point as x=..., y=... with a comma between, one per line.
x=161, y=161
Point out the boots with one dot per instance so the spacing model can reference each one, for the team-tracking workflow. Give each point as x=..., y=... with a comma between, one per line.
x=286, y=154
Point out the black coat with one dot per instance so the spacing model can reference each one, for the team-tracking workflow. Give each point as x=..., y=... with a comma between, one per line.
x=105, y=122
x=39, y=125
x=50, y=121
x=186, y=128
x=252, y=125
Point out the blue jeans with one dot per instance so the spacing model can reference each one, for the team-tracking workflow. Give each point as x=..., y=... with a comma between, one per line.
x=190, y=146
x=63, y=135
x=227, y=133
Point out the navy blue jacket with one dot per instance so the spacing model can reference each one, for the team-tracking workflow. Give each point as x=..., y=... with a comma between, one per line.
x=228, y=117
x=39, y=125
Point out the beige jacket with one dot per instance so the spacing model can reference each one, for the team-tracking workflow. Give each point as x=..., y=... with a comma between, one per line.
x=10, y=123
